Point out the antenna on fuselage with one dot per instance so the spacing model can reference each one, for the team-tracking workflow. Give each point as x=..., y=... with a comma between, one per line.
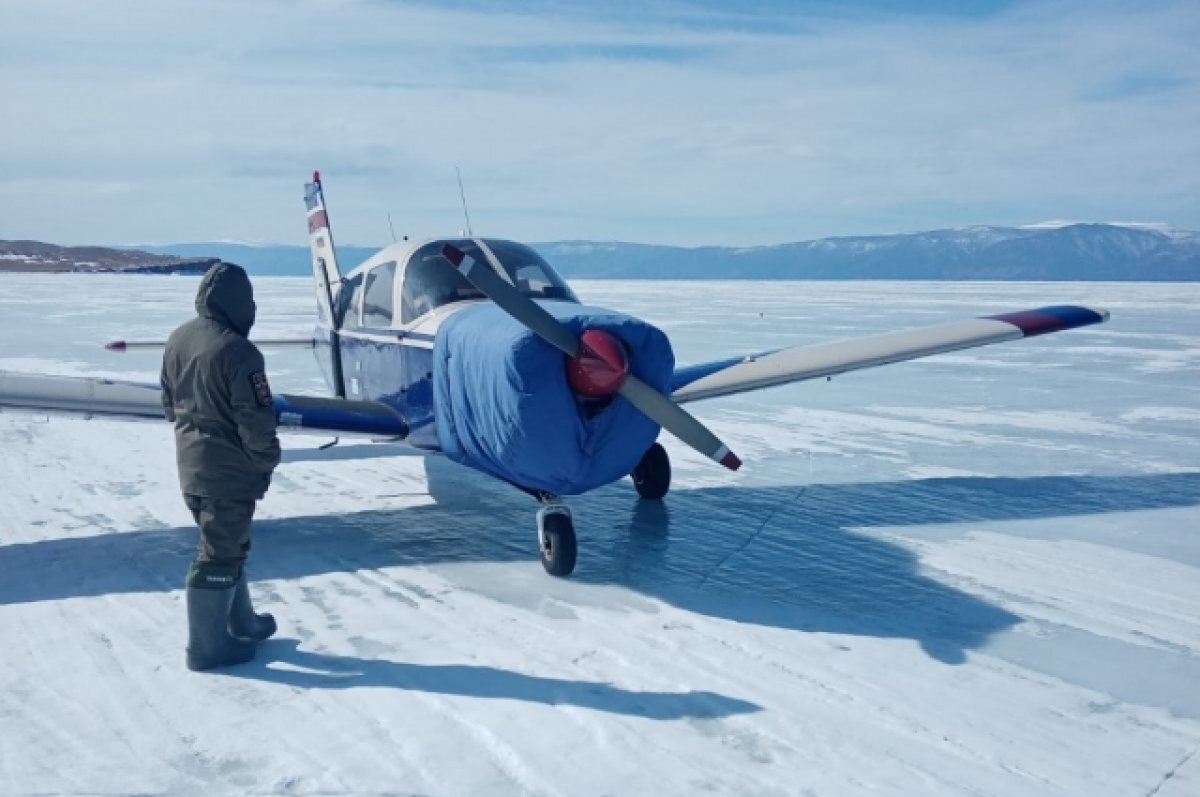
x=390, y=227
x=463, y=194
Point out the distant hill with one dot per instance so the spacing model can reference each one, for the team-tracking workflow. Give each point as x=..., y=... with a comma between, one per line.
x=265, y=260
x=1072, y=252
x=35, y=256
x=1106, y=252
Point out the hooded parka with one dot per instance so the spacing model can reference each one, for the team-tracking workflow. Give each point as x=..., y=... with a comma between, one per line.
x=214, y=388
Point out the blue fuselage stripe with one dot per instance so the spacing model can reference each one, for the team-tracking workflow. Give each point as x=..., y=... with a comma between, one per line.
x=396, y=373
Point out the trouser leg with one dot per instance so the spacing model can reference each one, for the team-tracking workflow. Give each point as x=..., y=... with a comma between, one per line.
x=224, y=529
x=213, y=580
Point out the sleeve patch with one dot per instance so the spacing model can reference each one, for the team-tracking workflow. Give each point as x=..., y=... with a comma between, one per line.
x=262, y=390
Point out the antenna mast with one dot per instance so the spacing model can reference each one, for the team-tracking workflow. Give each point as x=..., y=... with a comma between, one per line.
x=390, y=227
x=463, y=194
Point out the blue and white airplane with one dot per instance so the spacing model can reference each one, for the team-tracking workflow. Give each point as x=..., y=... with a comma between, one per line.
x=476, y=348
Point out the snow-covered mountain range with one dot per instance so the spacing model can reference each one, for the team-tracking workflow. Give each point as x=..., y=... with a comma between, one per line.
x=1052, y=251
x=1048, y=251
x=1070, y=252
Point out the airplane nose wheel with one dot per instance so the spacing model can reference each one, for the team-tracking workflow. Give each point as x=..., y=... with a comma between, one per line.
x=652, y=476
x=556, y=538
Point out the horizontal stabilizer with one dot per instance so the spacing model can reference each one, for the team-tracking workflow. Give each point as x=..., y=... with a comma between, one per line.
x=827, y=359
x=270, y=343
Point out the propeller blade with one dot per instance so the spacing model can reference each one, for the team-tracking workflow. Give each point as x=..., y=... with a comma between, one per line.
x=649, y=402
x=511, y=300
x=677, y=421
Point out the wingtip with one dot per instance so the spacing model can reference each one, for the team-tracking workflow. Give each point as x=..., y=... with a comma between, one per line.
x=1056, y=318
x=115, y=345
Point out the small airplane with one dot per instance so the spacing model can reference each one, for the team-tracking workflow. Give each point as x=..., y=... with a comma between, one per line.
x=476, y=348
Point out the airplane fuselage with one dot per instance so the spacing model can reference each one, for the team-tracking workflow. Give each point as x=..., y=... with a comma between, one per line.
x=472, y=382
x=395, y=367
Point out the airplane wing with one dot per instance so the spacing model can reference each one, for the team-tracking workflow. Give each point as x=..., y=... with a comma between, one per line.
x=796, y=364
x=95, y=397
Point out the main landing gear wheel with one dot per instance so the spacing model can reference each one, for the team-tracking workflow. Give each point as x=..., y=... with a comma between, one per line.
x=652, y=476
x=556, y=539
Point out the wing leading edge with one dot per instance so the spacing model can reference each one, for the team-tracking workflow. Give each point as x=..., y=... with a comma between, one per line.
x=93, y=397
x=796, y=364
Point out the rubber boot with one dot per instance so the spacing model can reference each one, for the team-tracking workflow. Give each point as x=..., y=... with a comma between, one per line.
x=210, y=590
x=243, y=622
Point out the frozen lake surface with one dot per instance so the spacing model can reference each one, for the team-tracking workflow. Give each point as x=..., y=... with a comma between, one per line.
x=974, y=574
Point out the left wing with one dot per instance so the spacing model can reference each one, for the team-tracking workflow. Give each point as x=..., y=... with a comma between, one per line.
x=739, y=375
x=95, y=397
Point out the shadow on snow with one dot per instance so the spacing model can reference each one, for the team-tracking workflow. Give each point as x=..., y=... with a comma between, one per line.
x=801, y=558
x=310, y=670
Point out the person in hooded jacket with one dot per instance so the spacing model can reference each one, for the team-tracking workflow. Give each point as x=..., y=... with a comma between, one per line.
x=215, y=390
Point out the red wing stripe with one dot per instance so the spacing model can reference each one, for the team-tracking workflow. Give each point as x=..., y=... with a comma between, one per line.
x=1051, y=319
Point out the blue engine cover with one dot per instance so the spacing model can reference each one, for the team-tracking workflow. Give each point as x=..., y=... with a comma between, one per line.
x=503, y=404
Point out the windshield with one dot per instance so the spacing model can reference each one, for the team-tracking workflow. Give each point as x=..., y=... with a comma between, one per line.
x=430, y=281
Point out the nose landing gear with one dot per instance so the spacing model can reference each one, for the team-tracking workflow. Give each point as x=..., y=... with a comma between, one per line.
x=556, y=536
x=557, y=546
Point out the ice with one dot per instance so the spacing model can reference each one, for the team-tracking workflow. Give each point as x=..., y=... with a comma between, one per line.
x=973, y=574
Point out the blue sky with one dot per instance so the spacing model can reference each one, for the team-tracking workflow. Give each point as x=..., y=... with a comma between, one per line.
x=676, y=122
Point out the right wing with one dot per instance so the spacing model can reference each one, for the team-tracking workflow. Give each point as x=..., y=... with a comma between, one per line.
x=795, y=364
x=95, y=397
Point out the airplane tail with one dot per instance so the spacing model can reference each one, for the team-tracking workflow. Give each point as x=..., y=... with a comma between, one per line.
x=328, y=278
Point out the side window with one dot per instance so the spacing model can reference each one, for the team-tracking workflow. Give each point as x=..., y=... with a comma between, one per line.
x=347, y=316
x=377, y=296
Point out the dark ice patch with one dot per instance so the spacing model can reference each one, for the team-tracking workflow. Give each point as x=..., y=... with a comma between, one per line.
x=262, y=390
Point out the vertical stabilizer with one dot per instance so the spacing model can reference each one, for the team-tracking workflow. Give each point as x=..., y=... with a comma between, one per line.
x=328, y=279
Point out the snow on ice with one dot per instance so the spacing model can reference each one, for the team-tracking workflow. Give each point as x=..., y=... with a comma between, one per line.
x=975, y=574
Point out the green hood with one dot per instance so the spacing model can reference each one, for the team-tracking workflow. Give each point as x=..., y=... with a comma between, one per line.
x=226, y=297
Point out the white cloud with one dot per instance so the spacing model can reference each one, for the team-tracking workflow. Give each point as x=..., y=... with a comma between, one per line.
x=680, y=126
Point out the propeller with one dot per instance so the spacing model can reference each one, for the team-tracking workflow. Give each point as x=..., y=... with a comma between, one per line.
x=588, y=352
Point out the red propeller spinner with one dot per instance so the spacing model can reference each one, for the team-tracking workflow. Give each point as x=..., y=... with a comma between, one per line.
x=600, y=367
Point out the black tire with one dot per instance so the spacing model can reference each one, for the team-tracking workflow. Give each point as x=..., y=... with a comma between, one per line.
x=559, y=549
x=652, y=476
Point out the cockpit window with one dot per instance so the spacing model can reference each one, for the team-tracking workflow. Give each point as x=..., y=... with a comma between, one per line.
x=377, y=297
x=430, y=281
